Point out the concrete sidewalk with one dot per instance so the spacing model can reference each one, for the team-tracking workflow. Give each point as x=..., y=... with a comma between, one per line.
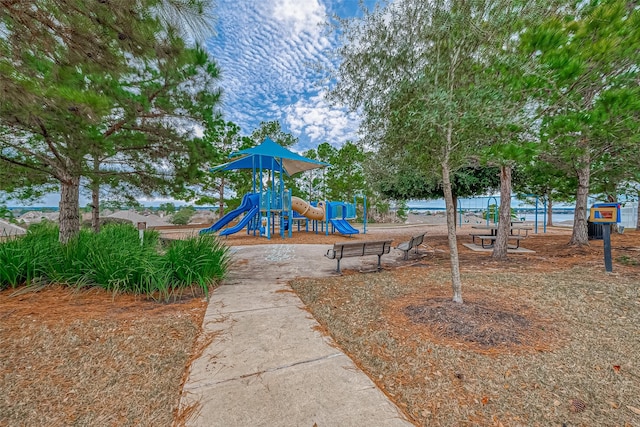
x=269, y=366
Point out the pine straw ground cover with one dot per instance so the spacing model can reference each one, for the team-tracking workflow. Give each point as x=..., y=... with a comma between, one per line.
x=568, y=353
x=547, y=339
x=92, y=358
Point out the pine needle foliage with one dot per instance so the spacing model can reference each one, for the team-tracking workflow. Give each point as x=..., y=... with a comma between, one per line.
x=105, y=92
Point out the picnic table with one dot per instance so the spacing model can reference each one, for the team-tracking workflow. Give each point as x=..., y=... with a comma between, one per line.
x=513, y=227
x=490, y=233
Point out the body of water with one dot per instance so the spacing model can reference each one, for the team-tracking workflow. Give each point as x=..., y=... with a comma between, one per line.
x=479, y=205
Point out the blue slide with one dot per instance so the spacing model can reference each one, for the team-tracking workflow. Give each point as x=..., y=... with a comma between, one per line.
x=343, y=226
x=253, y=212
x=249, y=202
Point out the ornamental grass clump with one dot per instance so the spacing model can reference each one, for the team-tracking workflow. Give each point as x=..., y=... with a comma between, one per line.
x=114, y=259
x=197, y=260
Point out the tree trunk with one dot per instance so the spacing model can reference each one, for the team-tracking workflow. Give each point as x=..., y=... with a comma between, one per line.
x=221, y=199
x=549, y=213
x=611, y=198
x=638, y=212
x=580, y=236
x=504, y=215
x=95, y=209
x=95, y=198
x=456, y=282
x=69, y=208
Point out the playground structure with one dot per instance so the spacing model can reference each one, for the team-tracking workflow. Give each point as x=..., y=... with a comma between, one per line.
x=270, y=206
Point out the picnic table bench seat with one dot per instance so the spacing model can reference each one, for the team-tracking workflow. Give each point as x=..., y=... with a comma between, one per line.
x=356, y=249
x=520, y=230
x=492, y=237
x=412, y=243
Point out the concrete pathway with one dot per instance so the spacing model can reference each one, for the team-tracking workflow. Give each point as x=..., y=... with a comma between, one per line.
x=268, y=365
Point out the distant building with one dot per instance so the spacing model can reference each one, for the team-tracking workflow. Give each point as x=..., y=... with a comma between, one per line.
x=10, y=230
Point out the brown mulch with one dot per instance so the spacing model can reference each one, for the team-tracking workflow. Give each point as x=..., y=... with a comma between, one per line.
x=93, y=358
x=543, y=339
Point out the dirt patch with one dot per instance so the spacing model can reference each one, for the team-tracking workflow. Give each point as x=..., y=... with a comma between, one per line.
x=92, y=358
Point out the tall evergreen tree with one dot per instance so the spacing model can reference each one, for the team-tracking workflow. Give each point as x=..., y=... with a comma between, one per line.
x=585, y=78
x=71, y=74
x=224, y=138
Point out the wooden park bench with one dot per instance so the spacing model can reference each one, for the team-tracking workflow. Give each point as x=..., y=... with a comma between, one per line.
x=362, y=248
x=492, y=237
x=412, y=243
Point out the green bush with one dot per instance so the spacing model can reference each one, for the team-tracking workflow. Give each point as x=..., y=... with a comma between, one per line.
x=197, y=260
x=113, y=259
x=493, y=212
x=183, y=216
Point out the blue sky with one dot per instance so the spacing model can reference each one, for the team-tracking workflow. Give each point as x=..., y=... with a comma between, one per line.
x=266, y=51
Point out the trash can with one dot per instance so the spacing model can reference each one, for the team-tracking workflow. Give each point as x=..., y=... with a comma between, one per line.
x=594, y=230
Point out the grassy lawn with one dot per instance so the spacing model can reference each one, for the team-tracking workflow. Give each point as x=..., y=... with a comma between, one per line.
x=546, y=340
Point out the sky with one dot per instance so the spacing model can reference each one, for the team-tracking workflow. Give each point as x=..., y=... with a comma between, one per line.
x=267, y=51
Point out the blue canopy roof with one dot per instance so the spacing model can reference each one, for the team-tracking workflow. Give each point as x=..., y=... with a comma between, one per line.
x=247, y=162
x=272, y=156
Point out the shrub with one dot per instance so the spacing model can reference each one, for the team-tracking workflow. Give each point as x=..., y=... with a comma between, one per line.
x=106, y=220
x=198, y=260
x=113, y=259
x=183, y=216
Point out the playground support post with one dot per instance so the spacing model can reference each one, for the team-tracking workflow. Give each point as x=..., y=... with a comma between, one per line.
x=364, y=211
x=286, y=204
x=495, y=211
x=269, y=219
x=327, y=215
x=544, y=213
x=364, y=214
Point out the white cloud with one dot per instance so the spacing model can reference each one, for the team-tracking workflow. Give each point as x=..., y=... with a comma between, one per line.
x=306, y=15
x=266, y=51
x=322, y=122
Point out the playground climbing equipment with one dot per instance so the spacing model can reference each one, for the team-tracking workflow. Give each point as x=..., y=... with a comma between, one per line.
x=270, y=205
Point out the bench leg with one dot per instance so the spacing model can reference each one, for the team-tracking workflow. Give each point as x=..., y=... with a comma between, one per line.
x=379, y=266
x=338, y=269
x=483, y=245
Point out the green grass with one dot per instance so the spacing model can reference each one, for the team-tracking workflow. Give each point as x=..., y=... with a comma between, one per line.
x=113, y=259
x=627, y=260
